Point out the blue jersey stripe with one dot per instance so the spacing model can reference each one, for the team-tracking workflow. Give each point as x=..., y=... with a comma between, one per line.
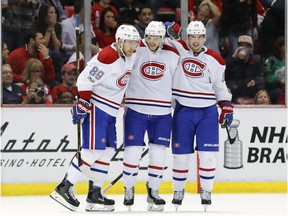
x=204, y=98
x=144, y=104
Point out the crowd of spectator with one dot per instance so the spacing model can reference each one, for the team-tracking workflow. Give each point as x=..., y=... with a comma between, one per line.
x=39, y=43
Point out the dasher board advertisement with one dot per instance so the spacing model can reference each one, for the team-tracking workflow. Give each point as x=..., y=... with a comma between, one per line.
x=38, y=143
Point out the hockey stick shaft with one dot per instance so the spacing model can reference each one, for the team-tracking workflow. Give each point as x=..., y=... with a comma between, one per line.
x=121, y=174
x=77, y=33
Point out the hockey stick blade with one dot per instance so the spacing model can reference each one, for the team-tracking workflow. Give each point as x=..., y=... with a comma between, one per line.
x=121, y=174
x=231, y=140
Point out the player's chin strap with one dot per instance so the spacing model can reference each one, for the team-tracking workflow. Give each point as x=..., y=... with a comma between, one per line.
x=120, y=46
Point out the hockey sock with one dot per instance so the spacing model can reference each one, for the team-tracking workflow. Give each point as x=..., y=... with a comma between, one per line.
x=101, y=166
x=207, y=169
x=180, y=170
x=157, y=158
x=87, y=158
x=74, y=174
x=132, y=155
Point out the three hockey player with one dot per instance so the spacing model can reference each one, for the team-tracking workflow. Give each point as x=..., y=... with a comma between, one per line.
x=197, y=86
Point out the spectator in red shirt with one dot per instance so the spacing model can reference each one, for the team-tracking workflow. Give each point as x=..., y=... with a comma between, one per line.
x=33, y=70
x=97, y=10
x=36, y=93
x=34, y=48
x=65, y=97
x=106, y=33
x=69, y=82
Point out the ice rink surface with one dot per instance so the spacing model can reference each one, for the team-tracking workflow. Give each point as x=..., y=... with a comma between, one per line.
x=222, y=205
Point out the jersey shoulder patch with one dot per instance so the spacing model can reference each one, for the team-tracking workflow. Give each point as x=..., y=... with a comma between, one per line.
x=107, y=55
x=170, y=48
x=216, y=56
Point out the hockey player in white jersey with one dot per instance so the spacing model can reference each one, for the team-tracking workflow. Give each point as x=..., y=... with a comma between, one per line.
x=148, y=101
x=101, y=86
x=197, y=88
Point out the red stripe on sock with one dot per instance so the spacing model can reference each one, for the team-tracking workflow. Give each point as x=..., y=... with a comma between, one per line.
x=102, y=163
x=207, y=169
x=130, y=165
x=179, y=171
x=155, y=167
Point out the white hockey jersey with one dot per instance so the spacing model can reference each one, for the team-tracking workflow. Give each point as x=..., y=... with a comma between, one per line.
x=107, y=76
x=200, y=80
x=149, y=90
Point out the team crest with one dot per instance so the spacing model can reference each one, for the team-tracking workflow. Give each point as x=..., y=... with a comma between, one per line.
x=123, y=80
x=152, y=70
x=193, y=67
x=103, y=140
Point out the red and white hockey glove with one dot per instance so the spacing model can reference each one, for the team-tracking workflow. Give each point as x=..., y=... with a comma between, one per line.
x=80, y=110
x=226, y=116
x=173, y=30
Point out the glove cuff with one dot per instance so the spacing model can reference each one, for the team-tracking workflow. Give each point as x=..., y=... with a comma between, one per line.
x=84, y=105
x=225, y=103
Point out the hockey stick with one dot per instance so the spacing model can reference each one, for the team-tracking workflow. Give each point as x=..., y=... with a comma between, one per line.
x=77, y=33
x=231, y=140
x=121, y=174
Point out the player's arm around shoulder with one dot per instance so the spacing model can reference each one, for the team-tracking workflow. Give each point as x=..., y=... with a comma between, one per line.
x=177, y=44
x=172, y=58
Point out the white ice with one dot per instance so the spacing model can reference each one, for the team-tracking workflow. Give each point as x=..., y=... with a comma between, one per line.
x=223, y=205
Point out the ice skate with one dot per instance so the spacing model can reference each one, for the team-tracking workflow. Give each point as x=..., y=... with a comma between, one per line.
x=97, y=202
x=177, y=198
x=205, y=198
x=155, y=202
x=64, y=194
x=129, y=197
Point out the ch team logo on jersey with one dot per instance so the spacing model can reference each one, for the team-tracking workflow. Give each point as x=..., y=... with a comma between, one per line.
x=152, y=70
x=193, y=67
x=123, y=80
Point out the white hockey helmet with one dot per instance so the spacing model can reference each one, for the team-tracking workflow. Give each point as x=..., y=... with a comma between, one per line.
x=155, y=28
x=127, y=32
x=196, y=28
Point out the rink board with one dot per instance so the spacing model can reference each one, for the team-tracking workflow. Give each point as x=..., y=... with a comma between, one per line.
x=38, y=143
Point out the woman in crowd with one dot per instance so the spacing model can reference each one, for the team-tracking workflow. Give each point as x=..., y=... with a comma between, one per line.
x=107, y=28
x=262, y=97
x=36, y=93
x=4, y=52
x=47, y=24
x=34, y=69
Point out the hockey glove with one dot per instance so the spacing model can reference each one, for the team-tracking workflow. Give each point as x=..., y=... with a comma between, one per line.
x=226, y=116
x=173, y=30
x=80, y=110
